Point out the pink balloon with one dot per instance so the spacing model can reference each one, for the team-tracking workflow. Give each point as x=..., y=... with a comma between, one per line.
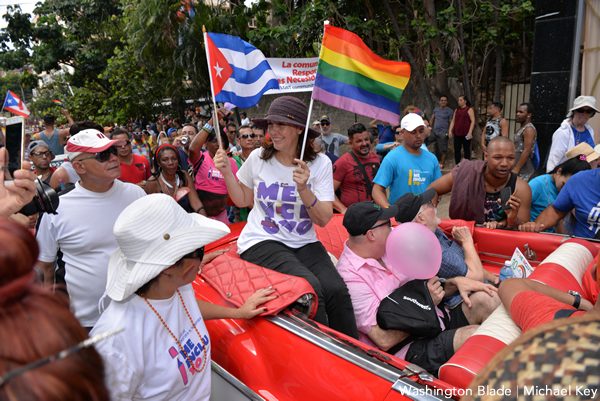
x=413, y=251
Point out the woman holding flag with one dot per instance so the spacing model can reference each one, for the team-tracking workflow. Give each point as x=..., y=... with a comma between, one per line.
x=289, y=196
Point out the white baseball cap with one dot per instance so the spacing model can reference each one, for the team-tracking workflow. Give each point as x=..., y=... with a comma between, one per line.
x=411, y=121
x=87, y=141
x=153, y=233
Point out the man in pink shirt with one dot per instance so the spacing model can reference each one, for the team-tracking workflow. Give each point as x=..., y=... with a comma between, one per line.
x=369, y=279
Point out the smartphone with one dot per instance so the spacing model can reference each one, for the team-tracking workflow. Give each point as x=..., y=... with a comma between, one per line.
x=505, y=197
x=13, y=140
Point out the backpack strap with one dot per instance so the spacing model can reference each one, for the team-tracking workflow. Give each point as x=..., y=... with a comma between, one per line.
x=363, y=170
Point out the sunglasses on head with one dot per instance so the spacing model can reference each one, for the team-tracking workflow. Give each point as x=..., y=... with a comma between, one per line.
x=586, y=110
x=246, y=136
x=103, y=156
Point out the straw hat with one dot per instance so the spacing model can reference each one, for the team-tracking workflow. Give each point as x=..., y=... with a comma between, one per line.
x=153, y=233
x=288, y=110
x=583, y=149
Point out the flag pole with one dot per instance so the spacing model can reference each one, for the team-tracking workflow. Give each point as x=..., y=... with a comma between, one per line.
x=310, y=105
x=212, y=91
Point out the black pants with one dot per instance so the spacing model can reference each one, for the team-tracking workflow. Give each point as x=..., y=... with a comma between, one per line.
x=312, y=263
x=465, y=144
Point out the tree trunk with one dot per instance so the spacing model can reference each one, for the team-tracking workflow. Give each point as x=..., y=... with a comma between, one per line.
x=461, y=41
x=440, y=78
x=415, y=72
x=498, y=75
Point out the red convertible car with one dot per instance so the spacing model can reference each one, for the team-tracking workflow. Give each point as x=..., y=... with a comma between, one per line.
x=288, y=356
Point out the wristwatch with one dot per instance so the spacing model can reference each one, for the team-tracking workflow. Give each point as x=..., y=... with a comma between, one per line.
x=208, y=128
x=577, y=300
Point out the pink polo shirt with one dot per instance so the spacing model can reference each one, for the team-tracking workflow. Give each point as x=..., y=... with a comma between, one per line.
x=209, y=179
x=368, y=282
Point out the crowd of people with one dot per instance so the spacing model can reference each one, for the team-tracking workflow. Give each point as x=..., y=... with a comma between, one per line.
x=138, y=205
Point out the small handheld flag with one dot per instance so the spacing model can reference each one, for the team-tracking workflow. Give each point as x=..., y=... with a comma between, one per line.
x=15, y=105
x=240, y=72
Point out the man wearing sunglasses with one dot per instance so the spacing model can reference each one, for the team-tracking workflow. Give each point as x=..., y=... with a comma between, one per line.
x=331, y=140
x=134, y=168
x=41, y=156
x=573, y=130
x=82, y=227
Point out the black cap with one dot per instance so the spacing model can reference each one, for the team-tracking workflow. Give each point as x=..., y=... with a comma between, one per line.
x=409, y=205
x=361, y=216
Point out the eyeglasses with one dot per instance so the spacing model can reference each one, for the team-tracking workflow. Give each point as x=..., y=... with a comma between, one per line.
x=246, y=136
x=587, y=111
x=41, y=154
x=387, y=223
x=102, y=157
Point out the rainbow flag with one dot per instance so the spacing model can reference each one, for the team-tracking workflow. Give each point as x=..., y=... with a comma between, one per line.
x=353, y=78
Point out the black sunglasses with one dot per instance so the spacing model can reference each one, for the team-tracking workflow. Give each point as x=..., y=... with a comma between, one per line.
x=246, y=136
x=324, y=123
x=588, y=111
x=387, y=223
x=104, y=156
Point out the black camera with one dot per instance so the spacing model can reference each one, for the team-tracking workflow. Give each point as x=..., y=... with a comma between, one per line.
x=45, y=200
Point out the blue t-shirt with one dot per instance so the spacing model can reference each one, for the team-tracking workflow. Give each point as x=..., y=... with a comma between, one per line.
x=441, y=123
x=543, y=194
x=582, y=193
x=404, y=172
x=582, y=136
x=385, y=133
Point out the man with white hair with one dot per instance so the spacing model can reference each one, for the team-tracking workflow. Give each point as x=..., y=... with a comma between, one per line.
x=82, y=227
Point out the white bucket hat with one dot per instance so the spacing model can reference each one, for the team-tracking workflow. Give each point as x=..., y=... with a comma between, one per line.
x=582, y=101
x=153, y=233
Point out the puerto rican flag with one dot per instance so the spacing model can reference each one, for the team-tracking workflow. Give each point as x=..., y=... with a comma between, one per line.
x=240, y=72
x=15, y=105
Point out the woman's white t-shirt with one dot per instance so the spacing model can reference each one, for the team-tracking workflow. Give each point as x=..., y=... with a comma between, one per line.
x=278, y=212
x=144, y=362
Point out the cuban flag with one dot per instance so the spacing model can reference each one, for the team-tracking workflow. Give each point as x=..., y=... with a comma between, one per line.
x=15, y=105
x=240, y=72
